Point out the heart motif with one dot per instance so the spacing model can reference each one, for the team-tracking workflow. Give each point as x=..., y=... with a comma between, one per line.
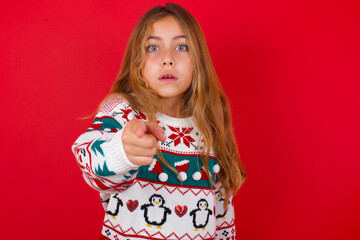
x=180, y=210
x=132, y=205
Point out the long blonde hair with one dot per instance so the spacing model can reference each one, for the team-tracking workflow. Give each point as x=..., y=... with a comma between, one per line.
x=205, y=100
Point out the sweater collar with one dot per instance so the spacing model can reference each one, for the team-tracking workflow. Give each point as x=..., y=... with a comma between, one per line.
x=176, y=122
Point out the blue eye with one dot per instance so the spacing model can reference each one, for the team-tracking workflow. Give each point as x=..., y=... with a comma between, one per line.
x=182, y=48
x=152, y=48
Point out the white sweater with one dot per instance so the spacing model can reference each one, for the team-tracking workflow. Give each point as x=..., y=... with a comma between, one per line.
x=149, y=202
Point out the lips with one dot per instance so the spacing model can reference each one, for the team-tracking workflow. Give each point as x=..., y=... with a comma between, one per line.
x=168, y=77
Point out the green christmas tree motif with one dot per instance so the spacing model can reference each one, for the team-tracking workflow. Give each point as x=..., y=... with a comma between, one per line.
x=104, y=171
x=95, y=147
x=130, y=173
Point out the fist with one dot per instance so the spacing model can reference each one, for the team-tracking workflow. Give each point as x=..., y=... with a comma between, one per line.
x=140, y=141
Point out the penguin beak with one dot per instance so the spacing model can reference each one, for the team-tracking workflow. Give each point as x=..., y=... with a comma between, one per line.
x=156, y=203
x=202, y=206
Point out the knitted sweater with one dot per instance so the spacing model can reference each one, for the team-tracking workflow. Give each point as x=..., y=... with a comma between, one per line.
x=150, y=202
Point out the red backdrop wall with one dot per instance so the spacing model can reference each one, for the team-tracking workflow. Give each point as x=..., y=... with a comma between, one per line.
x=290, y=68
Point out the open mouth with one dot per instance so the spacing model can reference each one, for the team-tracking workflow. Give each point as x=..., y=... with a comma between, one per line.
x=168, y=77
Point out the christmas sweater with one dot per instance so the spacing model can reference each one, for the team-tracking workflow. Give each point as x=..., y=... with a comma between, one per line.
x=150, y=202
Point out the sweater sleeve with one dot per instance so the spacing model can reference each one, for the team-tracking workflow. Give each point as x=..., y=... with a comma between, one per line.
x=225, y=218
x=99, y=151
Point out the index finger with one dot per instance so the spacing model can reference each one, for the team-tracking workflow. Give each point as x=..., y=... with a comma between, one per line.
x=154, y=129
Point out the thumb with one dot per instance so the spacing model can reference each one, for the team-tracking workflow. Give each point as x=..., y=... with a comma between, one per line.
x=140, y=129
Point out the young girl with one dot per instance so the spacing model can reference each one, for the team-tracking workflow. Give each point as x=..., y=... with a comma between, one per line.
x=161, y=150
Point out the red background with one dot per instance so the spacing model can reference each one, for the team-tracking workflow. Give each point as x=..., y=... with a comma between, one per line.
x=290, y=68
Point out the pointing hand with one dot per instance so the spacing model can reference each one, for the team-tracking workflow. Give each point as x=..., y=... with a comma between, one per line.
x=140, y=141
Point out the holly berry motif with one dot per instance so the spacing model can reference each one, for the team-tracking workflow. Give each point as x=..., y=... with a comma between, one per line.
x=181, y=135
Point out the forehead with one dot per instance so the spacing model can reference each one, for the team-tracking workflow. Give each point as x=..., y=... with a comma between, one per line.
x=166, y=28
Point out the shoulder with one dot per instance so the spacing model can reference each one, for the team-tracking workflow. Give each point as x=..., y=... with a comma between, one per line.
x=118, y=107
x=113, y=102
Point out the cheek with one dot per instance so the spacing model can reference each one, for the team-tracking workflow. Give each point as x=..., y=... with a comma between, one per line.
x=190, y=70
x=184, y=64
x=149, y=68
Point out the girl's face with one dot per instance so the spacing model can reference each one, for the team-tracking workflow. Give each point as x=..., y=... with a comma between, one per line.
x=167, y=68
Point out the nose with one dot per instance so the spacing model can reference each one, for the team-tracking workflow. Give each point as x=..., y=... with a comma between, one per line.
x=167, y=62
x=167, y=59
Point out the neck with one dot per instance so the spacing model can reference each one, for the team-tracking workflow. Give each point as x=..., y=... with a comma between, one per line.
x=171, y=108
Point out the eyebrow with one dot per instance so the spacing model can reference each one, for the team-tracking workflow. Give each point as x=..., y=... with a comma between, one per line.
x=159, y=38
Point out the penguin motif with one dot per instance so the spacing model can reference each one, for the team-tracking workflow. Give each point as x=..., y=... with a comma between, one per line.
x=155, y=212
x=113, y=209
x=201, y=214
x=220, y=211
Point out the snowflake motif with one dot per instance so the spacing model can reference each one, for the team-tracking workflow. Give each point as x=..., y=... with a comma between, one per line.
x=126, y=113
x=140, y=116
x=181, y=135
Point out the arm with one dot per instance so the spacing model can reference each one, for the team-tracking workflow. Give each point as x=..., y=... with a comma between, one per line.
x=100, y=151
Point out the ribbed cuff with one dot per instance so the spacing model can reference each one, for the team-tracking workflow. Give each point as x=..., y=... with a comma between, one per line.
x=116, y=158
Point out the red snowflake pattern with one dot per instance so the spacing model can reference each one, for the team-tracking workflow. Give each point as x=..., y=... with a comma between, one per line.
x=182, y=135
x=140, y=116
x=126, y=113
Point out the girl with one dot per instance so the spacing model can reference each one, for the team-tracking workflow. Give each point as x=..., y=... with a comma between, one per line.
x=161, y=150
